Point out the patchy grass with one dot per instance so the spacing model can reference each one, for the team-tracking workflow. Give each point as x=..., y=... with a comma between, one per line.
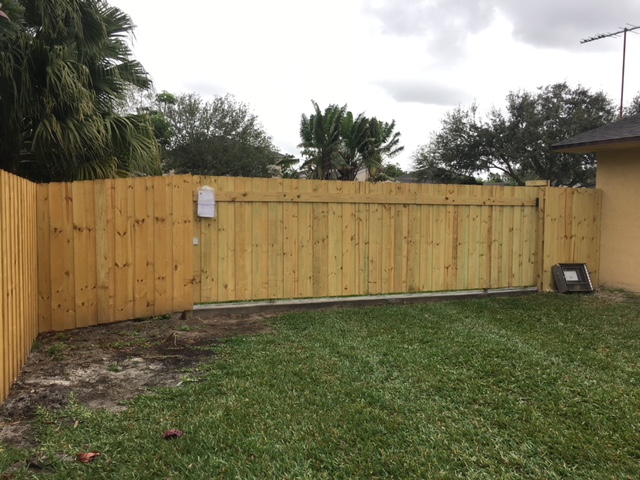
x=544, y=386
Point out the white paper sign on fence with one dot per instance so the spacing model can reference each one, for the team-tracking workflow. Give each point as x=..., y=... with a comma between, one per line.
x=207, y=202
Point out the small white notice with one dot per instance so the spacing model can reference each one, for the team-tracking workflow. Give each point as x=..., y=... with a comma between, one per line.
x=571, y=276
x=207, y=202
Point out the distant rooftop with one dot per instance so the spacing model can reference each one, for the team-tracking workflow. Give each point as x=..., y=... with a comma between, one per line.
x=621, y=134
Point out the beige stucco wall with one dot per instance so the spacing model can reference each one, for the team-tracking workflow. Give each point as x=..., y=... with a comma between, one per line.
x=619, y=178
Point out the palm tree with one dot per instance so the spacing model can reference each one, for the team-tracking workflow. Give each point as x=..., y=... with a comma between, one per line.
x=65, y=66
x=383, y=143
x=355, y=136
x=322, y=142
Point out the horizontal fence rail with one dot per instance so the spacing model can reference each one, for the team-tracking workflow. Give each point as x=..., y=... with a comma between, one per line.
x=18, y=276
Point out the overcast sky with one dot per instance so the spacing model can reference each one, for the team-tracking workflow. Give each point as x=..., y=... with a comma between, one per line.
x=408, y=60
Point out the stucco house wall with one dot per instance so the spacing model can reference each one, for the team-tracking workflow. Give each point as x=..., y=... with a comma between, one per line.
x=618, y=176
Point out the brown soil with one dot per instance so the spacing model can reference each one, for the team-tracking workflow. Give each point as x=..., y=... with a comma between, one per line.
x=107, y=365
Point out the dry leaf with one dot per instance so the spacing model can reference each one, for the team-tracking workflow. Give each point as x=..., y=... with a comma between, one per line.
x=171, y=434
x=75, y=425
x=87, y=457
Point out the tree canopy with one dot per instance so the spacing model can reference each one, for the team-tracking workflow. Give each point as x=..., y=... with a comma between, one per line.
x=516, y=141
x=64, y=66
x=217, y=137
x=336, y=144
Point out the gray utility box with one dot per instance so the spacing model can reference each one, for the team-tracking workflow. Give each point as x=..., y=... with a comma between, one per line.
x=572, y=277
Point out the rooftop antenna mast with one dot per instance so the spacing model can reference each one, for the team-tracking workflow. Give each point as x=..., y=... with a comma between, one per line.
x=624, y=31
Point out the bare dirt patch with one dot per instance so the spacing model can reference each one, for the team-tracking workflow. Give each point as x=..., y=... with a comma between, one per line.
x=104, y=366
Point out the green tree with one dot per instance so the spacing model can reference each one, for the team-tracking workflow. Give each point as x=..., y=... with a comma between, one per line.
x=218, y=137
x=517, y=142
x=383, y=143
x=336, y=144
x=634, y=107
x=64, y=68
x=322, y=141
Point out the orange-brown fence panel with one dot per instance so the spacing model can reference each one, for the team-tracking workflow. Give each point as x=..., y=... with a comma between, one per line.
x=113, y=250
x=18, y=277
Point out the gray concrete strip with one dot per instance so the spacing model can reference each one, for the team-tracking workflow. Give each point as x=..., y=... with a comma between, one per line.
x=291, y=305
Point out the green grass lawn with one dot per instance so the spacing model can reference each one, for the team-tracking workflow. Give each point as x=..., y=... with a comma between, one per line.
x=543, y=386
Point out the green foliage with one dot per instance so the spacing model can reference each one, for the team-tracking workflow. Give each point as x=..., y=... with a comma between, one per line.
x=337, y=145
x=543, y=386
x=634, y=107
x=217, y=137
x=64, y=68
x=517, y=142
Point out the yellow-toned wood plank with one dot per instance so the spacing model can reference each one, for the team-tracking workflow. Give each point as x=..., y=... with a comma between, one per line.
x=375, y=229
x=259, y=243
x=124, y=253
x=44, y=259
x=508, y=252
x=334, y=240
x=150, y=245
x=178, y=237
x=142, y=231
x=5, y=307
x=187, y=214
x=463, y=258
x=413, y=244
x=162, y=227
x=426, y=244
x=496, y=247
x=275, y=248
x=320, y=243
x=400, y=250
x=206, y=269
x=227, y=243
x=362, y=236
x=201, y=271
x=306, y=236
x=82, y=259
x=472, y=255
x=291, y=243
x=451, y=247
x=243, y=234
x=349, y=264
x=387, y=264
x=61, y=262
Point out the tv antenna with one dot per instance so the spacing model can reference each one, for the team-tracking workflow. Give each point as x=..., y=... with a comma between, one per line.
x=624, y=31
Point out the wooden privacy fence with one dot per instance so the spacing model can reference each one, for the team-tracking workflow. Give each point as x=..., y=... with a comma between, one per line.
x=18, y=276
x=275, y=238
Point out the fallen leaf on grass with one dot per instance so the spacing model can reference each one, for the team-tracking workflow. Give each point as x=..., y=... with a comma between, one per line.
x=87, y=457
x=171, y=434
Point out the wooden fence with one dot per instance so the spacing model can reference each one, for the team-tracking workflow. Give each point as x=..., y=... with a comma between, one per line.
x=113, y=250
x=18, y=276
x=275, y=238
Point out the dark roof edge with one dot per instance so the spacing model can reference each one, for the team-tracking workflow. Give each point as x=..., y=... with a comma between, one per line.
x=595, y=144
